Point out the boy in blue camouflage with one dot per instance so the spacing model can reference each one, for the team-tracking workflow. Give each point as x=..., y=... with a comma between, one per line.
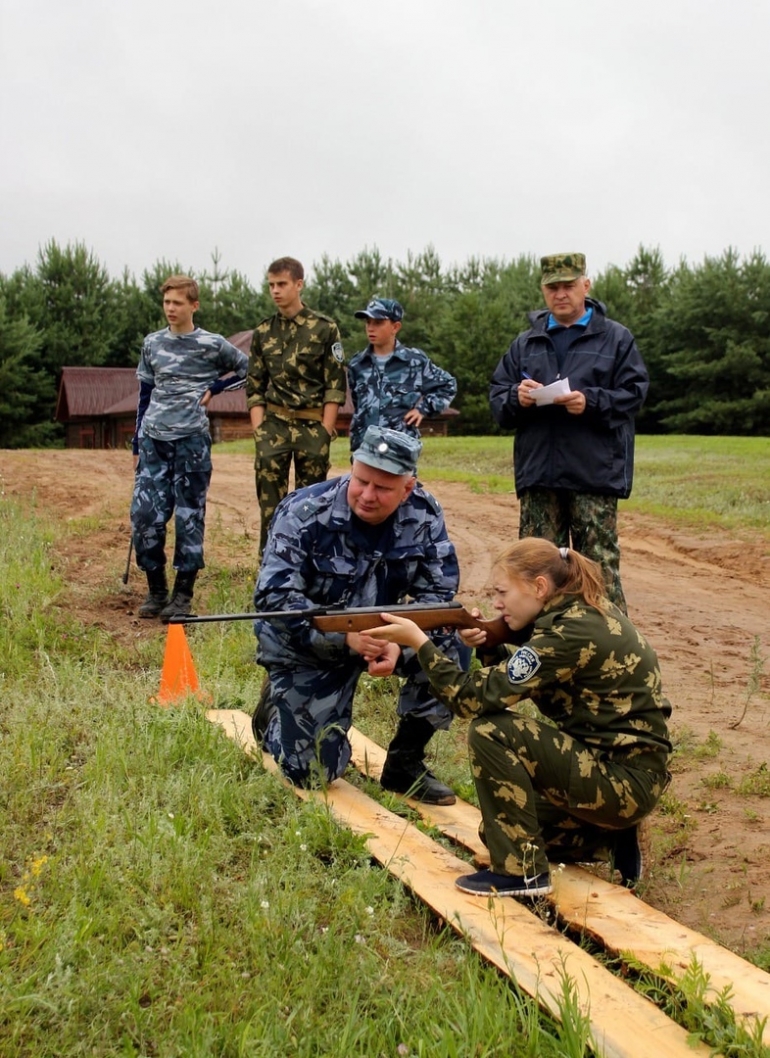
x=370, y=538
x=574, y=783
x=294, y=390
x=180, y=369
x=391, y=384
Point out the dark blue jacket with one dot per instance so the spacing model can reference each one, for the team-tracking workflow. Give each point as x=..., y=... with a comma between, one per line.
x=592, y=452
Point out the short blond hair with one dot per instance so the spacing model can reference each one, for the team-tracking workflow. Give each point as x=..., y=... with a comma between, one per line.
x=184, y=283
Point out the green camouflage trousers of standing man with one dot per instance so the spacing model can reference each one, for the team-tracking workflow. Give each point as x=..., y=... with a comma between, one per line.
x=284, y=435
x=584, y=521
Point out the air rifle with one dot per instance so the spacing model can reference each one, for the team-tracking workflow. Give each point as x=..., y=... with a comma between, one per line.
x=427, y=616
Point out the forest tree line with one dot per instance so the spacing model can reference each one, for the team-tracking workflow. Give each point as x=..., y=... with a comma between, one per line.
x=703, y=329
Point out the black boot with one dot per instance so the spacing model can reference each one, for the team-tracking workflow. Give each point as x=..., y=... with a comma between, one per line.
x=405, y=771
x=157, y=596
x=180, y=603
x=263, y=714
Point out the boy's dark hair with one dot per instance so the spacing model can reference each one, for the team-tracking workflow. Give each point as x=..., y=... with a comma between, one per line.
x=184, y=283
x=287, y=264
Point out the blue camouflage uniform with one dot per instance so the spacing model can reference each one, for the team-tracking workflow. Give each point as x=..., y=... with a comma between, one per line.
x=320, y=555
x=173, y=442
x=384, y=388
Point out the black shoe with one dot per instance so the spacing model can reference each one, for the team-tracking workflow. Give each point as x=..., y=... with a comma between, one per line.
x=157, y=595
x=487, y=883
x=628, y=854
x=416, y=780
x=180, y=603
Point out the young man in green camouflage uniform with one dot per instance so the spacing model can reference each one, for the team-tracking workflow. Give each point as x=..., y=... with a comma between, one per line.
x=573, y=457
x=180, y=369
x=295, y=386
x=573, y=783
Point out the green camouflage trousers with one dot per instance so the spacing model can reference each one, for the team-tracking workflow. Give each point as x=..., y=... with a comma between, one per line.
x=586, y=522
x=277, y=441
x=543, y=795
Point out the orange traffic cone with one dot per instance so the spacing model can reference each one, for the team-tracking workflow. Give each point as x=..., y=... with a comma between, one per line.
x=178, y=678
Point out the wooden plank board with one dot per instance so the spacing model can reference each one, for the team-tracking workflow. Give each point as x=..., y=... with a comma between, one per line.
x=608, y=913
x=509, y=935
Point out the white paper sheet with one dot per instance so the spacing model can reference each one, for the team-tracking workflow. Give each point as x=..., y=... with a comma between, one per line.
x=545, y=394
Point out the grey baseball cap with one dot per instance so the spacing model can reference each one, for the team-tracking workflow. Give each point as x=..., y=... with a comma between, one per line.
x=389, y=450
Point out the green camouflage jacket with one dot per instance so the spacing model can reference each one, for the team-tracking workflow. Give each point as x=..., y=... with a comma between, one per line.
x=296, y=363
x=589, y=671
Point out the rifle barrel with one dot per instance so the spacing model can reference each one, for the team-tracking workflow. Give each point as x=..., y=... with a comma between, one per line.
x=272, y=615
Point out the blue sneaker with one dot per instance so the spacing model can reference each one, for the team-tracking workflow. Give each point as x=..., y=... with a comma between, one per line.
x=487, y=883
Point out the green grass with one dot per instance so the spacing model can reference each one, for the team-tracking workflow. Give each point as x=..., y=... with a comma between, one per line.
x=162, y=895
x=700, y=482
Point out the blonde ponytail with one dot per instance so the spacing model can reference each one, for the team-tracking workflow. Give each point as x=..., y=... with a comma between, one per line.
x=570, y=572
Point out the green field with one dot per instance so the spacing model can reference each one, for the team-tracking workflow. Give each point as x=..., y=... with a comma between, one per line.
x=163, y=896
x=717, y=481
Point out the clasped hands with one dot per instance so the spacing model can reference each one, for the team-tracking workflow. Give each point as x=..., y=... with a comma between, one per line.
x=574, y=401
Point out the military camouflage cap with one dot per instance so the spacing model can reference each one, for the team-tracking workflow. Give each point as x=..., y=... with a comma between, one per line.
x=389, y=450
x=562, y=267
x=381, y=309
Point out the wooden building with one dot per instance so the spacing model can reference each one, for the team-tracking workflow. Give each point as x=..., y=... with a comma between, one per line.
x=97, y=407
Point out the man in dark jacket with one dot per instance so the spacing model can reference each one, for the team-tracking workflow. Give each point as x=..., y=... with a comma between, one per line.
x=574, y=444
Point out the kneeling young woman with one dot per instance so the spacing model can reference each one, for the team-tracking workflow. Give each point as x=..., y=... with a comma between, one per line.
x=573, y=785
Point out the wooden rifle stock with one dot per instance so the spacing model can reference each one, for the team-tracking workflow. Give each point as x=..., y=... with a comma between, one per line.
x=427, y=616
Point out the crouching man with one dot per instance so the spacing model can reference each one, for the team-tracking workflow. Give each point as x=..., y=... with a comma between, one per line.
x=373, y=537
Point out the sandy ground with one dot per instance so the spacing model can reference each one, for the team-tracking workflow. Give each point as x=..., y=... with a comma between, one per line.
x=701, y=599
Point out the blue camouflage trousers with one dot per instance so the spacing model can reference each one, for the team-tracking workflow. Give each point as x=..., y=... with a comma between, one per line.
x=173, y=477
x=586, y=522
x=543, y=794
x=307, y=735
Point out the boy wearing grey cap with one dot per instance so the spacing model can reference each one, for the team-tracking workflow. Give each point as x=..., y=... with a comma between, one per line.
x=373, y=537
x=390, y=383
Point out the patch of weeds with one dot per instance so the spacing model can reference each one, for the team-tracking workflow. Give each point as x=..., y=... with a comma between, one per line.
x=756, y=904
x=718, y=780
x=754, y=682
x=710, y=748
x=675, y=809
x=756, y=783
x=705, y=1013
x=710, y=807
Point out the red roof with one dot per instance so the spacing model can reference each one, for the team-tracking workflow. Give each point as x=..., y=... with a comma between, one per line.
x=99, y=392
x=88, y=391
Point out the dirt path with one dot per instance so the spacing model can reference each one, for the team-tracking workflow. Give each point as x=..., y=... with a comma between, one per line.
x=701, y=600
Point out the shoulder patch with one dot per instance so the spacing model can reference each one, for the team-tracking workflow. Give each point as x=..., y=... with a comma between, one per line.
x=306, y=509
x=523, y=665
x=337, y=352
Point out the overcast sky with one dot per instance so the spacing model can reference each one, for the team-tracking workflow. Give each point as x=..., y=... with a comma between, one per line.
x=483, y=127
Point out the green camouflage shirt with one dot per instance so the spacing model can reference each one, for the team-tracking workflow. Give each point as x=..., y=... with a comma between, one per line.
x=296, y=363
x=589, y=671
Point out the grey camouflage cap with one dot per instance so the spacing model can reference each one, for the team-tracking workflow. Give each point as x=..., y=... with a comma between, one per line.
x=381, y=309
x=562, y=267
x=389, y=450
